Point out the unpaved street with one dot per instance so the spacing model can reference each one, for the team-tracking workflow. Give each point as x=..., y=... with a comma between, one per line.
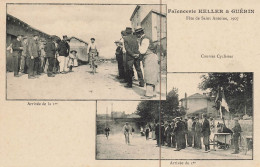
x=140, y=148
x=78, y=85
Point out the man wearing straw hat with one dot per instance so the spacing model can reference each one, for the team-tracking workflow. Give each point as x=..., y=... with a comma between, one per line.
x=150, y=59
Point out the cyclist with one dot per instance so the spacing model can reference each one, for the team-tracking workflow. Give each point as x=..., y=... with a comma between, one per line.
x=93, y=55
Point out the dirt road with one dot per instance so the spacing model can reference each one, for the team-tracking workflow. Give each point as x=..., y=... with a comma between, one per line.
x=78, y=85
x=140, y=148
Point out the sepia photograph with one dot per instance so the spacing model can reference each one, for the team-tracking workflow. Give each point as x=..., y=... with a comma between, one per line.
x=86, y=52
x=206, y=116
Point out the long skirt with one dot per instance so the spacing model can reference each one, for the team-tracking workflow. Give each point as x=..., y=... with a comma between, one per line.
x=151, y=69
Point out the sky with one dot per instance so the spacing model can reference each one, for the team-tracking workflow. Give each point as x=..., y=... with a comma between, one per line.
x=128, y=106
x=103, y=22
x=185, y=82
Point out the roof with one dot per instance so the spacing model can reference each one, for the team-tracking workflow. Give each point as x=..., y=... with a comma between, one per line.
x=136, y=9
x=196, y=96
x=152, y=11
x=133, y=116
x=8, y=16
x=78, y=39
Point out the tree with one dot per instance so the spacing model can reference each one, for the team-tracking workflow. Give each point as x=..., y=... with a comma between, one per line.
x=160, y=110
x=237, y=87
x=170, y=108
x=148, y=111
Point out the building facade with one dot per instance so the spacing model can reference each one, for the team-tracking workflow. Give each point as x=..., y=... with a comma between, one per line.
x=197, y=104
x=152, y=18
x=14, y=26
x=81, y=47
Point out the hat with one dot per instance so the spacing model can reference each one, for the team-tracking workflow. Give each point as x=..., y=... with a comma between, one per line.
x=19, y=34
x=178, y=117
x=73, y=51
x=25, y=37
x=117, y=41
x=236, y=119
x=123, y=33
x=204, y=115
x=65, y=36
x=128, y=30
x=139, y=29
x=92, y=39
x=196, y=118
x=35, y=34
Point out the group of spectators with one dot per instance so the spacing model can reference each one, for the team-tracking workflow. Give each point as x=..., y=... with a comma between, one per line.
x=33, y=56
x=134, y=48
x=181, y=133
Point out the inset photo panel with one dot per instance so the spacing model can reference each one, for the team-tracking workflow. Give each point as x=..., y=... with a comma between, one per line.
x=208, y=116
x=127, y=130
x=76, y=52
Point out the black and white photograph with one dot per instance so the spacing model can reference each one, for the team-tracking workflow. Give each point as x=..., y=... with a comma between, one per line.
x=86, y=52
x=206, y=116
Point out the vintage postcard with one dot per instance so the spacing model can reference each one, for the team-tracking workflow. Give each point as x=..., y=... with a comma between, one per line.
x=111, y=83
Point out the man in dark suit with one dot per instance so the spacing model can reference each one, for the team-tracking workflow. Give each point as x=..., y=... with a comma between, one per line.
x=157, y=134
x=205, y=132
x=17, y=53
x=132, y=57
x=178, y=133
x=50, y=50
x=33, y=57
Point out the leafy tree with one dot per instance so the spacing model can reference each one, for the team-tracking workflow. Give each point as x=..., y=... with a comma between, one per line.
x=237, y=87
x=155, y=110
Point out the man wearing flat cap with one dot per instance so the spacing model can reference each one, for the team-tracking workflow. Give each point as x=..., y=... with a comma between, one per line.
x=33, y=57
x=132, y=56
x=236, y=134
x=17, y=52
x=50, y=50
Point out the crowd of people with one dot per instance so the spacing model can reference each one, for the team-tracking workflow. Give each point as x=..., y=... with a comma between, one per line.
x=181, y=133
x=34, y=57
x=134, y=50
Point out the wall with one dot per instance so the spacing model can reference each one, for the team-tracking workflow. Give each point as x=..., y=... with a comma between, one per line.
x=196, y=104
x=81, y=49
x=13, y=28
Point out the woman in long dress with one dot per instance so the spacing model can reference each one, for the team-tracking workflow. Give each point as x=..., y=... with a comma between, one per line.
x=150, y=61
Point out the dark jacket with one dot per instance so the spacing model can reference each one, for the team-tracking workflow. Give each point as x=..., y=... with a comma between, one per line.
x=157, y=130
x=205, y=128
x=33, y=48
x=16, y=48
x=237, y=130
x=131, y=46
x=178, y=127
x=63, y=48
x=119, y=53
x=50, y=49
